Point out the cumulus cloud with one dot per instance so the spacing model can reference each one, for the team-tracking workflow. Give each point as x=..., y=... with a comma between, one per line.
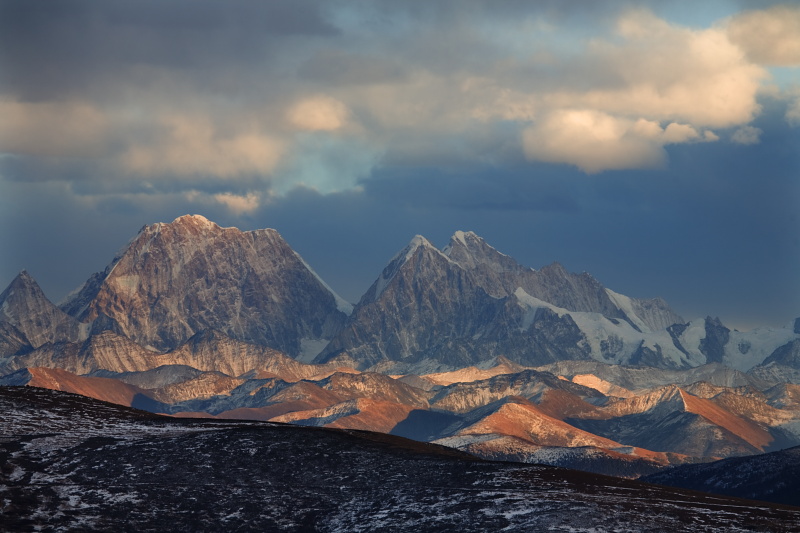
x=667, y=72
x=595, y=141
x=653, y=74
x=747, y=135
x=227, y=98
x=239, y=204
x=770, y=36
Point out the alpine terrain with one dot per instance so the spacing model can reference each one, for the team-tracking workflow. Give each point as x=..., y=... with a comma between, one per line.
x=462, y=348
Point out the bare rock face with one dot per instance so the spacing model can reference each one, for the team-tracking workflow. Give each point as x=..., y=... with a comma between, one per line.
x=12, y=340
x=177, y=279
x=433, y=310
x=421, y=302
x=501, y=275
x=27, y=311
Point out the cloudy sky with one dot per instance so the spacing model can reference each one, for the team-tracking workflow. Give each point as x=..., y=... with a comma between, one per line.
x=652, y=144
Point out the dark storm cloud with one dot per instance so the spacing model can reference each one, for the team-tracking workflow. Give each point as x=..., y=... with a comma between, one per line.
x=58, y=49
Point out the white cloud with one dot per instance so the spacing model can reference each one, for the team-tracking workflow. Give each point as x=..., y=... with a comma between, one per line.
x=613, y=101
x=591, y=140
x=239, y=204
x=595, y=141
x=666, y=72
x=747, y=135
x=770, y=36
x=679, y=133
x=191, y=145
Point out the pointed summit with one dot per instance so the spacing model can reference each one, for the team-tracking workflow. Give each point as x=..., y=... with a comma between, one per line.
x=418, y=242
x=461, y=306
x=24, y=305
x=176, y=279
x=496, y=271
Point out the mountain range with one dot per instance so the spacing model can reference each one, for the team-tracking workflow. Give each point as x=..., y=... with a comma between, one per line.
x=462, y=346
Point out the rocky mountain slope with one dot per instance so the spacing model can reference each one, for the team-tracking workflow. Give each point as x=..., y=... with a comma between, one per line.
x=73, y=463
x=175, y=280
x=29, y=319
x=433, y=310
x=428, y=311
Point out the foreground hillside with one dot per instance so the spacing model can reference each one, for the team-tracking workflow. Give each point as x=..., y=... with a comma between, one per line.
x=70, y=462
x=773, y=477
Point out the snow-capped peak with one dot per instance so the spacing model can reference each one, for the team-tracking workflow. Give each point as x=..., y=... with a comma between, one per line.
x=461, y=237
x=416, y=242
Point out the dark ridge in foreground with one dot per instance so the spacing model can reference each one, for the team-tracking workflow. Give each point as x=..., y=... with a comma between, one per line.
x=69, y=462
x=773, y=477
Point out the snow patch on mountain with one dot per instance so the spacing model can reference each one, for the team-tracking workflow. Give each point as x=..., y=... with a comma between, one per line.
x=625, y=303
x=611, y=340
x=748, y=349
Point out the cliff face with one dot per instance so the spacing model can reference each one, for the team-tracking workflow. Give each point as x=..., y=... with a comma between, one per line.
x=432, y=310
x=175, y=280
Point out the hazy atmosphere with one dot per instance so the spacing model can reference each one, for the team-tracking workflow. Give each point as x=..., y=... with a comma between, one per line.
x=652, y=144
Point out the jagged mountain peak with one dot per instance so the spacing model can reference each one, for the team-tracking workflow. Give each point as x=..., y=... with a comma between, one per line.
x=24, y=276
x=473, y=252
x=23, y=279
x=191, y=224
x=175, y=279
x=418, y=241
x=461, y=294
x=24, y=305
x=417, y=245
x=467, y=239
